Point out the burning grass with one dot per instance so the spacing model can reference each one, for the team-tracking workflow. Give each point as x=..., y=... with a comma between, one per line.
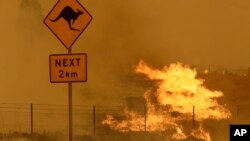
x=171, y=103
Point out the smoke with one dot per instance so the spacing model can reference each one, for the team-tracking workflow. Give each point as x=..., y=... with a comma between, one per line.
x=201, y=33
x=33, y=7
x=24, y=55
x=118, y=36
x=159, y=32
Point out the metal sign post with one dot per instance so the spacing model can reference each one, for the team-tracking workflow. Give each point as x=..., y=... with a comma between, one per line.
x=70, y=106
x=70, y=111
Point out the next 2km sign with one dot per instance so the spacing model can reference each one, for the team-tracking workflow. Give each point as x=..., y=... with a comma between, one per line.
x=68, y=68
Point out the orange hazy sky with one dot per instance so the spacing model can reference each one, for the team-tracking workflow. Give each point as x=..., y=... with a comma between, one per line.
x=201, y=33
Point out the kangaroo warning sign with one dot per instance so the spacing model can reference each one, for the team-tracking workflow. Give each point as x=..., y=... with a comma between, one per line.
x=68, y=68
x=67, y=20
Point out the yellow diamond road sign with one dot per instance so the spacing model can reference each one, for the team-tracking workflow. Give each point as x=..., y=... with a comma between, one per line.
x=67, y=20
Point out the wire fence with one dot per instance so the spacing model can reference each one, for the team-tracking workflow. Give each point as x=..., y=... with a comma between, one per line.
x=87, y=119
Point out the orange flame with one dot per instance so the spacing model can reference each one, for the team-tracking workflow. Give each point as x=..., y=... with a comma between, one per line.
x=178, y=90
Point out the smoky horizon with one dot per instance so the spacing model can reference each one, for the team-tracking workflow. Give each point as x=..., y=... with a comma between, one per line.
x=189, y=53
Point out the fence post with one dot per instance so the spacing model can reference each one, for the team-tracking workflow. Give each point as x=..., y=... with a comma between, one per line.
x=193, y=115
x=238, y=110
x=31, y=119
x=145, y=119
x=94, y=120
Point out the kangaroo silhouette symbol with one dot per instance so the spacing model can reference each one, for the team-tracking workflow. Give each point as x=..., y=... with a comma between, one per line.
x=69, y=15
